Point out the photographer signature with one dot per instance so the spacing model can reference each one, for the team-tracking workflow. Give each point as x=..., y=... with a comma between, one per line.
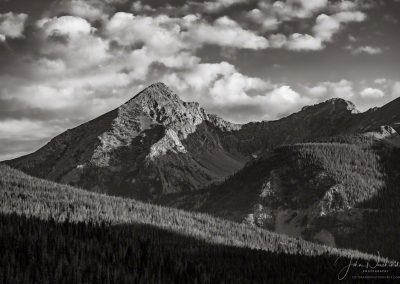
x=369, y=265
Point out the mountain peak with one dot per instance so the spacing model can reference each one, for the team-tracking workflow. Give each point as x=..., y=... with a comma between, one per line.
x=339, y=102
x=157, y=91
x=334, y=104
x=159, y=86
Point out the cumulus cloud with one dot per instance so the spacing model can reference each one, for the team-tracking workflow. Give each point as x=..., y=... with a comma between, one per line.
x=199, y=7
x=380, y=81
x=91, y=10
x=174, y=34
x=270, y=15
x=372, y=93
x=367, y=50
x=221, y=88
x=325, y=90
x=69, y=26
x=296, y=42
x=12, y=25
x=303, y=42
x=228, y=33
x=139, y=7
x=327, y=26
x=72, y=40
x=217, y=5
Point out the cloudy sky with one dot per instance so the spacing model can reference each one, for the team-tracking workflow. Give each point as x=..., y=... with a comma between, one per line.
x=64, y=62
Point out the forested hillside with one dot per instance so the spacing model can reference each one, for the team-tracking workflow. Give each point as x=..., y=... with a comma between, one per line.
x=52, y=232
x=35, y=251
x=36, y=198
x=342, y=191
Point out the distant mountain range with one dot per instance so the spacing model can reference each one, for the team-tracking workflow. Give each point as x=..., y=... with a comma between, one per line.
x=327, y=173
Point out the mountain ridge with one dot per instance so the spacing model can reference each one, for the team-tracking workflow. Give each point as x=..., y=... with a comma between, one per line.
x=157, y=144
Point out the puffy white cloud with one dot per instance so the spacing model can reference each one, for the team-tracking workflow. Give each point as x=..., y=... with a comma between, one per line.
x=350, y=16
x=323, y=31
x=367, y=50
x=327, y=26
x=235, y=89
x=296, y=42
x=325, y=90
x=174, y=34
x=344, y=5
x=317, y=91
x=217, y=5
x=72, y=39
x=267, y=22
x=226, y=32
x=312, y=5
x=65, y=26
x=201, y=7
x=159, y=33
x=45, y=96
x=380, y=81
x=292, y=9
x=12, y=25
x=138, y=6
x=221, y=88
x=301, y=42
x=283, y=100
x=88, y=9
x=372, y=93
x=270, y=15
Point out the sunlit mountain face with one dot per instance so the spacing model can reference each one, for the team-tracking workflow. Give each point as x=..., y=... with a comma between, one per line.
x=65, y=62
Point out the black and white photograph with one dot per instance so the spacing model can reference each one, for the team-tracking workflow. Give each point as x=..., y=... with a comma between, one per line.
x=188, y=141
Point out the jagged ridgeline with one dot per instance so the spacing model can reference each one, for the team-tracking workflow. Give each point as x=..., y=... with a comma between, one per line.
x=52, y=233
